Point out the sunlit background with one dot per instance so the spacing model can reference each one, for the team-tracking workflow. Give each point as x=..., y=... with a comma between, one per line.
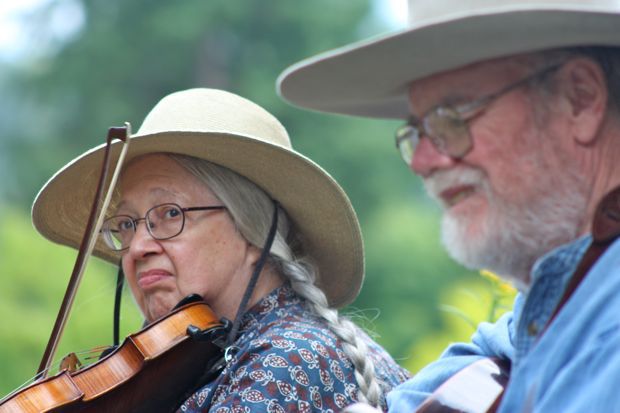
x=69, y=69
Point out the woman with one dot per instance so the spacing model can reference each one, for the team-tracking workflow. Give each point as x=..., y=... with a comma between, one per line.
x=206, y=177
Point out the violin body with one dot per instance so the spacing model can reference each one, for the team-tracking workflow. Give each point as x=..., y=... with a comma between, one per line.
x=153, y=370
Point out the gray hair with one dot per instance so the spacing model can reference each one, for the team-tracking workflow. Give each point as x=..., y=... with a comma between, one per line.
x=251, y=210
x=608, y=58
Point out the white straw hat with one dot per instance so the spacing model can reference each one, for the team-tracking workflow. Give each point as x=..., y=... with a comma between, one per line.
x=370, y=78
x=233, y=132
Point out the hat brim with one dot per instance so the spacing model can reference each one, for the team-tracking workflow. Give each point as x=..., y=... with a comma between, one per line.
x=316, y=204
x=370, y=78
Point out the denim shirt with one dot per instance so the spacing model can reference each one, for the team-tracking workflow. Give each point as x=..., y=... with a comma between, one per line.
x=573, y=367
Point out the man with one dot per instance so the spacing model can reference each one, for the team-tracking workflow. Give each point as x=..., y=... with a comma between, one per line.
x=513, y=123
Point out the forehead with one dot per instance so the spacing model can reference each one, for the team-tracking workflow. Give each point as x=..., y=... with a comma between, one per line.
x=464, y=83
x=159, y=178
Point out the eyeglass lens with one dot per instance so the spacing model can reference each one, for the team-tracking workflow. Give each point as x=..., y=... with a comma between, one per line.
x=446, y=129
x=162, y=221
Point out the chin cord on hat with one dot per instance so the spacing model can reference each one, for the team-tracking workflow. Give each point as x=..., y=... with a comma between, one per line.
x=230, y=350
x=118, y=294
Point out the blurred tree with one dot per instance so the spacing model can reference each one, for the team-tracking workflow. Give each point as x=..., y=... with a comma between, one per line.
x=129, y=54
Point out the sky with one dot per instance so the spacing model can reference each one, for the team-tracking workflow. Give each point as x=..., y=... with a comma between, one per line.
x=17, y=21
x=12, y=16
x=66, y=18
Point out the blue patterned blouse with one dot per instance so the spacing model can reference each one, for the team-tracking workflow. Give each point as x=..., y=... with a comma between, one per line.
x=289, y=361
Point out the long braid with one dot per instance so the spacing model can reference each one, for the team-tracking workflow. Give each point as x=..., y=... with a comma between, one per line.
x=302, y=278
x=251, y=210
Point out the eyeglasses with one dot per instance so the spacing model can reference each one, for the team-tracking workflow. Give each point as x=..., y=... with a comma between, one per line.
x=163, y=221
x=447, y=126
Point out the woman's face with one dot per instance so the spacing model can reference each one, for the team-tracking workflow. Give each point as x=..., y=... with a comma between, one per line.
x=209, y=257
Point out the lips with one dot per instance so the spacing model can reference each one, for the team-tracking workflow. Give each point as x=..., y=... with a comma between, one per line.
x=451, y=187
x=454, y=195
x=148, y=279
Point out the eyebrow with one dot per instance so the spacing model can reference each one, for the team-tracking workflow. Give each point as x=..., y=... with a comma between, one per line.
x=153, y=192
x=455, y=99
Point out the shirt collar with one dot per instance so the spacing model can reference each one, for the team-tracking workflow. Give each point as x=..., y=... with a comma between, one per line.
x=561, y=261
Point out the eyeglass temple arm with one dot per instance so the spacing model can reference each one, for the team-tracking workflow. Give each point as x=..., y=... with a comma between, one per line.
x=477, y=104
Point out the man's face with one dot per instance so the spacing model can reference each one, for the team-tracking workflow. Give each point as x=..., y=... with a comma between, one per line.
x=517, y=193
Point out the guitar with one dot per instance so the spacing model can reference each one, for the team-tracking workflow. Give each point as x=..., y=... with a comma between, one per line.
x=475, y=389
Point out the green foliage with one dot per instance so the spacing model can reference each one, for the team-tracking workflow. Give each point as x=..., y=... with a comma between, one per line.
x=465, y=304
x=129, y=54
x=407, y=272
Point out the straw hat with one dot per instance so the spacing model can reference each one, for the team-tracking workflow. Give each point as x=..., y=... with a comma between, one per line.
x=370, y=78
x=233, y=132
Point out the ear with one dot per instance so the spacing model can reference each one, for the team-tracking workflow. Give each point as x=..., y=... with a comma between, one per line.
x=584, y=87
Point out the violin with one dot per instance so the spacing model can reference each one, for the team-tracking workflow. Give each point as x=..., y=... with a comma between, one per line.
x=154, y=370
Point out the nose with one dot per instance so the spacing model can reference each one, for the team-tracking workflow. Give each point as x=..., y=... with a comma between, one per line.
x=427, y=159
x=142, y=243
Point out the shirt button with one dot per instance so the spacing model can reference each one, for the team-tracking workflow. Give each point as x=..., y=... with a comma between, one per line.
x=532, y=329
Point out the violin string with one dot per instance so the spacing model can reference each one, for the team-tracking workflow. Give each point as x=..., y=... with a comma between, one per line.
x=105, y=291
x=31, y=380
x=87, y=354
x=92, y=353
x=19, y=388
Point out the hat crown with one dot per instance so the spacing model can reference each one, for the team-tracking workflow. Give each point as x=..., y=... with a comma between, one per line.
x=423, y=10
x=213, y=111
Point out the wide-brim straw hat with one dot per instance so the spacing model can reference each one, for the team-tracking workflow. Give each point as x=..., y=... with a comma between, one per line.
x=233, y=132
x=370, y=78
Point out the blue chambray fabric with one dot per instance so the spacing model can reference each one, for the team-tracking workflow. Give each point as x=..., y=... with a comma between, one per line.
x=573, y=367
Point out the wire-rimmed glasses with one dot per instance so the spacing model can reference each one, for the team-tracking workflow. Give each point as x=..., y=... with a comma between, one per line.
x=162, y=221
x=447, y=127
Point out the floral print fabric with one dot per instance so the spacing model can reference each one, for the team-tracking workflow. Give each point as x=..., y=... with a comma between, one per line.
x=289, y=360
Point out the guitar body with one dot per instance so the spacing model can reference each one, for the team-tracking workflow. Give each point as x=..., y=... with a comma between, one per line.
x=477, y=388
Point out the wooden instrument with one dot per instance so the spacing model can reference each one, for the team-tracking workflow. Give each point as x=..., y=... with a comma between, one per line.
x=477, y=388
x=154, y=370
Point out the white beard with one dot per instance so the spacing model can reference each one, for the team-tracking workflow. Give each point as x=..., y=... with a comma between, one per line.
x=512, y=235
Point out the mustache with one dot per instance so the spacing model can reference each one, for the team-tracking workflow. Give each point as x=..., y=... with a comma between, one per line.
x=440, y=181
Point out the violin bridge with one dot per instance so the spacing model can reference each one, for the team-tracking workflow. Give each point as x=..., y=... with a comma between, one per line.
x=71, y=363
